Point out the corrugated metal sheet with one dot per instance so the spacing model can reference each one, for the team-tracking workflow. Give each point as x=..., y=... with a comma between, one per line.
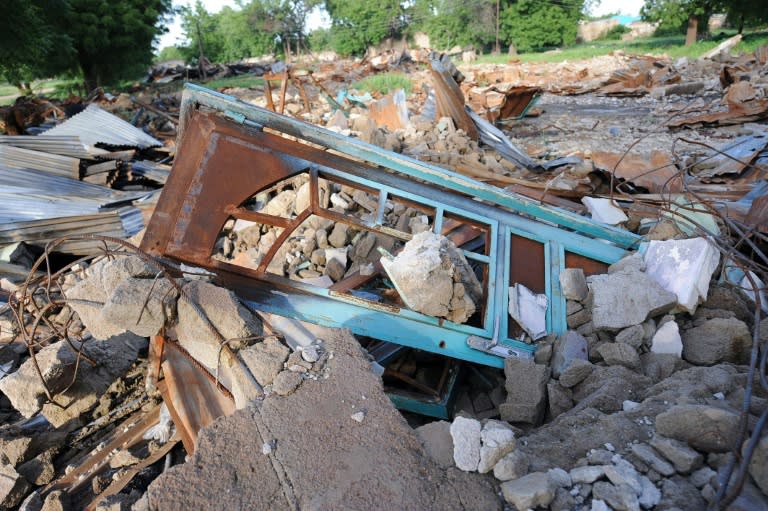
x=17, y=158
x=94, y=125
x=65, y=145
x=151, y=170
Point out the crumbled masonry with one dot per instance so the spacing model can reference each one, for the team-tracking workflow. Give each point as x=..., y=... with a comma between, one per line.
x=545, y=285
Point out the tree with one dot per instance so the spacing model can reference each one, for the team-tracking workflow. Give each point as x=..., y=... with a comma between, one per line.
x=32, y=41
x=677, y=16
x=533, y=24
x=462, y=23
x=743, y=13
x=357, y=24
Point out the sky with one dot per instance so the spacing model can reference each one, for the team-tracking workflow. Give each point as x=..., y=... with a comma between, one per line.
x=175, y=35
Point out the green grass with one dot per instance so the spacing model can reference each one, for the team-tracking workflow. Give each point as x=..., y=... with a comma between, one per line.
x=49, y=88
x=384, y=83
x=672, y=46
x=242, y=81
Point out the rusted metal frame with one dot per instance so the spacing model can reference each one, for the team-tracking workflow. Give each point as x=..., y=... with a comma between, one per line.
x=268, y=94
x=126, y=435
x=299, y=83
x=259, y=218
x=281, y=239
x=356, y=222
x=195, y=95
x=127, y=476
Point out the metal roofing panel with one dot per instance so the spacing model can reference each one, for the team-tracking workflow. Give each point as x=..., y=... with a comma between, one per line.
x=65, y=145
x=18, y=158
x=94, y=125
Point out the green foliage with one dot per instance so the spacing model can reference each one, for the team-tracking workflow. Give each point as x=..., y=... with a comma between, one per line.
x=532, y=24
x=170, y=53
x=384, y=83
x=746, y=13
x=615, y=33
x=356, y=24
x=462, y=23
x=320, y=39
x=33, y=43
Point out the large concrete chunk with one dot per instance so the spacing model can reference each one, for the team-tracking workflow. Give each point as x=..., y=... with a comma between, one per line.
x=498, y=439
x=225, y=312
x=530, y=491
x=617, y=353
x=683, y=267
x=526, y=390
x=437, y=441
x=13, y=487
x=717, y=340
x=573, y=284
x=615, y=308
x=265, y=359
x=434, y=278
x=466, y=443
x=141, y=306
x=705, y=428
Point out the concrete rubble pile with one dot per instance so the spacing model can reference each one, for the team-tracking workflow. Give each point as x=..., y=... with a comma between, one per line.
x=131, y=382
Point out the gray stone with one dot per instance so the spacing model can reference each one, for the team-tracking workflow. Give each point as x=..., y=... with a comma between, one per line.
x=614, y=308
x=633, y=262
x=335, y=269
x=57, y=363
x=750, y=499
x=265, y=359
x=615, y=353
x=57, y=500
x=526, y=384
x=559, y=400
x=512, y=466
x=599, y=457
x=437, y=441
x=650, y=496
x=579, y=319
x=679, y=454
x=340, y=236
x=587, y=474
x=573, y=284
x=633, y=336
x=703, y=427
x=576, y=372
x=569, y=347
x=563, y=501
x=650, y=457
x=572, y=307
x=529, y=491
x=498, y=439
x=141, y=306
x=717, y=340
x=606, y=389
x=623, y=473
x=758, y=466
x=660, y=366
x=620, y=498
x=13, y=487
x=39, y=470
x=560, y=477
x=225, y=312
x=466, y=443
x=286, y=383
x=677, y=492
x=703, y=477
x=303, y=196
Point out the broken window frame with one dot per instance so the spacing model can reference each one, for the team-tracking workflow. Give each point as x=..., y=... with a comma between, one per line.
x=183, y=224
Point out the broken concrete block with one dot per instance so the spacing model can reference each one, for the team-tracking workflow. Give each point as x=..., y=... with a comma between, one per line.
x=437, y=441
x=340, y=236
x=530, y=491
x=684, y=459
x=529, y=310
x=265, y=359
x=466, y=443
x=526, y=390
x=225, y=312
x=703, y=427
x=616, y=353
x=633, y=336
x=650, y=457
x=618, y=497
x=39, y=470
x=513, y=465
x=426, y=274
x=667, y=339
x=614, y=308
x=683, y=267
x=569, y=347
x=13, y=487
x=302, y=197
x=717, y=340
x=604, y=210
x=559, y=400
x=141, y=306
x=286, y=383
x=498, y=439
x=573, y=284
x=576, y=372
x=587, y=474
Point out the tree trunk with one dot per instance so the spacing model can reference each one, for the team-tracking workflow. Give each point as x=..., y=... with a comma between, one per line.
x=690, y=35
x=741, y=23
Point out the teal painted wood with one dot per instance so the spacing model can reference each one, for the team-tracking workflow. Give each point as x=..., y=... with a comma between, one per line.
x=195, y=94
